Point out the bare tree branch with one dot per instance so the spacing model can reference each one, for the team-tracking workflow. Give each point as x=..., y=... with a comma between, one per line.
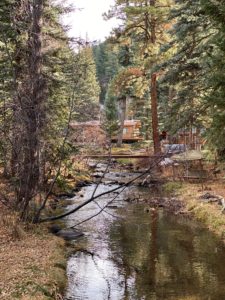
x=102, y=194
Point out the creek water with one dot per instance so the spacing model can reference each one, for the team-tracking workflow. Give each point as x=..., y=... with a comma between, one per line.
x=133, y=253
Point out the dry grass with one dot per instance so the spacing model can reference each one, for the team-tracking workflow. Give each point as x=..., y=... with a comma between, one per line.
x=208, y=213
x=28, y=261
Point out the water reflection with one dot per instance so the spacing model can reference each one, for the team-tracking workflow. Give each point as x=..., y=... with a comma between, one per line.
x=145, y=256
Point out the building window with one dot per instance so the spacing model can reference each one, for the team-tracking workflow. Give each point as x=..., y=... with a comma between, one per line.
x=125, y=130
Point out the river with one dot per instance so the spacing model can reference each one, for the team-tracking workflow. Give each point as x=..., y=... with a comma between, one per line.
x=133, y=252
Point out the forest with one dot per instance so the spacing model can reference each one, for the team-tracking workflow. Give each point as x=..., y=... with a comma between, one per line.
x=163, y=65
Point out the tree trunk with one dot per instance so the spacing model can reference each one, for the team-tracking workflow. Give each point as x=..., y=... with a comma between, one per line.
x=154, y=102
x=5, y=150
x=153, y=24
x=154, y=108
x=32, y=115
x=122, y=116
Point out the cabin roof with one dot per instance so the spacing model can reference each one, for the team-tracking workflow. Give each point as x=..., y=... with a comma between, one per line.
x=98, y=123
x=89, y=123
x=132, y=123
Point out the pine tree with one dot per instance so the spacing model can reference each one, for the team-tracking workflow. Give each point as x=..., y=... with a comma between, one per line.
x=111, y=116
x=142, y=32
x=183, y=84
x=107, y=66
x=7, y=82
x=87, y=86
x=215, y=77
x=36, y=88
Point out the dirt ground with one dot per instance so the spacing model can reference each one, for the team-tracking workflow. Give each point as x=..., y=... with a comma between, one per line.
x=31, y=261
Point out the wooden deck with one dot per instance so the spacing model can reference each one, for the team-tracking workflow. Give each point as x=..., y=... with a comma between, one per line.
x=128, y=156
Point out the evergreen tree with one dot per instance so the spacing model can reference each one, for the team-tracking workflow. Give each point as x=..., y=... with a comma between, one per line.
x=215, y=77
x=107, y=66
x=111, y=116
x=37, y=84
x=87, y=87
x=183, y=85
x=7, y=82
x=142, y=32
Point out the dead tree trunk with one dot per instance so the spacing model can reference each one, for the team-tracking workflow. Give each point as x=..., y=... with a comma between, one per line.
x=122, y=116
x=32, y=112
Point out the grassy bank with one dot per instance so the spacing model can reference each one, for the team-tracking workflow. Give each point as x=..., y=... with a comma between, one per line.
x=208, y=213
x=32, y=261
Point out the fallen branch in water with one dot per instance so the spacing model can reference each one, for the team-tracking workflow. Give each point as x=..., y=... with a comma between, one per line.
x=99, y=212
x=102, y=194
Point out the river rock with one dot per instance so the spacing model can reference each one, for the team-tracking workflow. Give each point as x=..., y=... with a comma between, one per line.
x=66, y=195
x=112, y=206
x=81, y=194
x=128, y=200
x=118, y=182
x=83, y=183
x=109, y=183
x=209, y=198
x=69, y=234
x=54, y=228
x=92, y=165
x=98, y=175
